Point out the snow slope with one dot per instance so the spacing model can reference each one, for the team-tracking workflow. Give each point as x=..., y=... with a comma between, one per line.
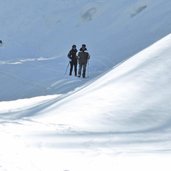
x=37, y=36
x=120, y=120
x=133, y=98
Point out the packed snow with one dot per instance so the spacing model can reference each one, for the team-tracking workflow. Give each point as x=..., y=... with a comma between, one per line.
x=118, y=118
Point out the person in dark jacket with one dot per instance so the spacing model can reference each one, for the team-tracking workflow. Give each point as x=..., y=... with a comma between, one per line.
x=72, y=55
x=83, y=58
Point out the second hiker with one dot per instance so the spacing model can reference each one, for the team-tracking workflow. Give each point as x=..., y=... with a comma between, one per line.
x=83, y=58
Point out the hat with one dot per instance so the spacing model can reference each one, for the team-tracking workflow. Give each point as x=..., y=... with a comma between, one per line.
x=73, y=46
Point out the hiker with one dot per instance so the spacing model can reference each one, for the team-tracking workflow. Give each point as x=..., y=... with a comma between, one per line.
x=83, y=58
x=72, y=55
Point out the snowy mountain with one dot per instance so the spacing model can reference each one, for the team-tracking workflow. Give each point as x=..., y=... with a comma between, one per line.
x=38, y=35
x=125, y=111
x=118, y=118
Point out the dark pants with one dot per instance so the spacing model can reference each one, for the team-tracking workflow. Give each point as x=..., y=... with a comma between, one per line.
x=73, y=64
x=82, y=70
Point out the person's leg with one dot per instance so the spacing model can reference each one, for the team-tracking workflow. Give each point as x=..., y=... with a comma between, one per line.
x=75, y=69
x=84, y=70
x=79, y=71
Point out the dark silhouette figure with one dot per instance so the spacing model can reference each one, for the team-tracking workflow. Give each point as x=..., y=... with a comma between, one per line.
x=72, y=55
x=83, y=58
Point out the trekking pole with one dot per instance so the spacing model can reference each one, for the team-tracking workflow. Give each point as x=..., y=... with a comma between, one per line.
x=66, y=69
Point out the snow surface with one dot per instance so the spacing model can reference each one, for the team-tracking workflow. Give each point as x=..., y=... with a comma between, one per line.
x=116, y=119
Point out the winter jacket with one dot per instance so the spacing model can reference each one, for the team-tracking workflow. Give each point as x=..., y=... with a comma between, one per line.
x=83, y=57
x=73, y=55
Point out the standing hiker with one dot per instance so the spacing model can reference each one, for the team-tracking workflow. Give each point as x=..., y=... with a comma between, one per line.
x=72, y=55
x=83, y=58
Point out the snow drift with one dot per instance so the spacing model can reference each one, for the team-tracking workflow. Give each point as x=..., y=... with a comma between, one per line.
x=135, y=96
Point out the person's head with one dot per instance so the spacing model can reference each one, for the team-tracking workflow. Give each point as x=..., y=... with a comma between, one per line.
x=83, y=47
x=74, y=46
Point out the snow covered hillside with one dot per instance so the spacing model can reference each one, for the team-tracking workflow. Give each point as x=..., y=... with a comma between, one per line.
x=118, y=118
x=37, y=36
x=118, y=121
x=134, y=97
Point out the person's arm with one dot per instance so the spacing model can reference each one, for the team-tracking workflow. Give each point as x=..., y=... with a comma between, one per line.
x=69, y=55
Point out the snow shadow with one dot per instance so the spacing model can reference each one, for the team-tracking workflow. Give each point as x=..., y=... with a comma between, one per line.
x=120, y=141
x=27, y=113
x=89, y=14
x=138, y=10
